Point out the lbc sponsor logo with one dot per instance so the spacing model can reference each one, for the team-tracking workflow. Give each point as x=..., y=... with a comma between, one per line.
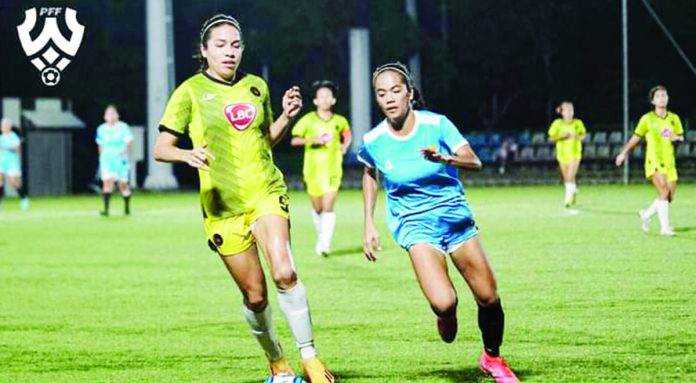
x=240, y=115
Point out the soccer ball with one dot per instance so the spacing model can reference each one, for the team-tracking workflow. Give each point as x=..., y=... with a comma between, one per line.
x=50, y=76
x=285, y=378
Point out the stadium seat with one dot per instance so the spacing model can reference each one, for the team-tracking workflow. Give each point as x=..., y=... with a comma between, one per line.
x=523, y=138
x=486, y=155
x=538, y=138
x=527, y=154
x=600, y=138
x=616, y=138
x=493, y=139
x=691, y=136
x=603, y=152
x=589, y=151
x=544, y=153
x=616, y=149
x=588, y=138
x=638, y=152
x=683, y=150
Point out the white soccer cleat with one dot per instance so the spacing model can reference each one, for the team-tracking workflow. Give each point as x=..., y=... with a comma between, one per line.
x=24, y=203
x=668, y=232
x=644, y=221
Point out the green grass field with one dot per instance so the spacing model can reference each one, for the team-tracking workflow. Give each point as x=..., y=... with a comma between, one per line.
x=588, y=297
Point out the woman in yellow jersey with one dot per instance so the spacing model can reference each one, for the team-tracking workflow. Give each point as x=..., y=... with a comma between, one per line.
x=661, y=130
x=326, y=137
x=227, y=114
x=567, y=133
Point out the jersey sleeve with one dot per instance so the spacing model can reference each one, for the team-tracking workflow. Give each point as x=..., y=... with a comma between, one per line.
x=364, y=156
x=300, y=128
x=345, y=125
x=450, y=135
x=580, y=129
x=642, y=127
x=127, y=133
x=554, y=129
x=99, y=139
x=177, y=114
x=678, y=128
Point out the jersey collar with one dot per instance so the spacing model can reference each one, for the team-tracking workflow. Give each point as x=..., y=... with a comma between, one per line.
x=240, y=75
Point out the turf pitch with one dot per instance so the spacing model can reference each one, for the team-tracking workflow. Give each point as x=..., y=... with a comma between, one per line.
x=588, y=296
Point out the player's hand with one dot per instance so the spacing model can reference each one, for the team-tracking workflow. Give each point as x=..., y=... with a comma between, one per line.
x=292, y=102
x=371, y=243
x=199, y=158
x=431, y=154
x=620, y=159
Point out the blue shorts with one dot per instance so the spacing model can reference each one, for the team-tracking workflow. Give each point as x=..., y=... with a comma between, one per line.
x=114, y=169
x=445, y=228
x=10, y=166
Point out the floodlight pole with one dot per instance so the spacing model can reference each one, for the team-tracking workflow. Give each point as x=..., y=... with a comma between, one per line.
x=624, y=22
x=414, y=62
x=360, y=86
x=160, y=81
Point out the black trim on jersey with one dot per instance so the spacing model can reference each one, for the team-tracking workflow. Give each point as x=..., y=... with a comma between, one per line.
x=239, y=76
x=163, y=128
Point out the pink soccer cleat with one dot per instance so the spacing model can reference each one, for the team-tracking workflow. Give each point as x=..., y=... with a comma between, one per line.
x=497, y=368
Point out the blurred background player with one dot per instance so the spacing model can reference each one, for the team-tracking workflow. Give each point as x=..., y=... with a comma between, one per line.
x=114, y=139
x=326, y=137
x=567, y=132
x=227, y=114
x=507, y=153
x=10, y=164
x=661, y=130
x=418, y=153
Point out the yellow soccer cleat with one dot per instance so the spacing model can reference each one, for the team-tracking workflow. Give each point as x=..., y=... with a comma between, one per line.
x=316, y=372
x=280, y=366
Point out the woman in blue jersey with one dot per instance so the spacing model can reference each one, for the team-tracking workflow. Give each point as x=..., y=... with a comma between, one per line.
x=10, y=164
x=418, y=153
x=114, y=139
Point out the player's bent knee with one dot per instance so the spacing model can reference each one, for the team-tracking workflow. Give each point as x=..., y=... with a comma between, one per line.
x=444, y=306
x=256, y=304
x=284, y=277
x=487, y=298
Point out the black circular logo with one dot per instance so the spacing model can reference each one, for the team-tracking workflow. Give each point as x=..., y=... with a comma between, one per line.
x=217, y=238
x=255, y=91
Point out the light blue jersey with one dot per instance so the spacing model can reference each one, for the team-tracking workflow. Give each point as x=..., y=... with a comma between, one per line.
x=9, y=157
x=113, y=158
x=425, y=200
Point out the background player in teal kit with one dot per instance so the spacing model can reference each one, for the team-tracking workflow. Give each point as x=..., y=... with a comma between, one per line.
x=418, y=153
x=114, y=139
x=10, y=164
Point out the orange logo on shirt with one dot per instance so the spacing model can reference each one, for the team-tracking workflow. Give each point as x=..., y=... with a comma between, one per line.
x=240, y=115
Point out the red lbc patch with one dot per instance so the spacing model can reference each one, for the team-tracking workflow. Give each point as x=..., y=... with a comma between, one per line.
x=240, y=115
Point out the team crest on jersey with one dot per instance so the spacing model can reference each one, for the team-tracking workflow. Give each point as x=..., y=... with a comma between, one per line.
x=388, y=165
x=240, y=115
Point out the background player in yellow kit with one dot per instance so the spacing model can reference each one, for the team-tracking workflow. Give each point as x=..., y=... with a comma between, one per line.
x=227, y=114
x=661, y=129
x=326, y=137
x=567, y=133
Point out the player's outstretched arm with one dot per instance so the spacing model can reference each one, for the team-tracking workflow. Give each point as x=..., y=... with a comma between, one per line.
x=628, y=147
x=464, y=158
x=371, y=236
x=292, y=104
x=165, y=150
